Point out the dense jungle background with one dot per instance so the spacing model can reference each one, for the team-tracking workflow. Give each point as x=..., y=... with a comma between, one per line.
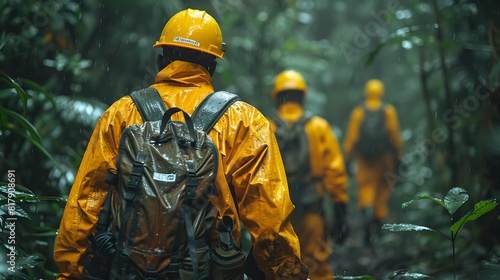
x=62, y=62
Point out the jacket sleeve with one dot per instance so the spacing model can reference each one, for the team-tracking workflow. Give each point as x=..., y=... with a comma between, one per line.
x=327, y=161
x=86, y=197
x=392, y=124
x=256, y=170
x=352, y=134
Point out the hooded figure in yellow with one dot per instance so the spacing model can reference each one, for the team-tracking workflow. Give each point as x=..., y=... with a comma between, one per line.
x=249, y=161
x=315, y=167
x=373, y=138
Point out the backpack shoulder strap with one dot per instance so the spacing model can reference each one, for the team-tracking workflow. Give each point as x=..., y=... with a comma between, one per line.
x=212, y=108
x=209, y=112
x=149, y=103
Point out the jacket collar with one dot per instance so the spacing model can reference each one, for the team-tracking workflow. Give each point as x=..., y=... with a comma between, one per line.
x=184, y=74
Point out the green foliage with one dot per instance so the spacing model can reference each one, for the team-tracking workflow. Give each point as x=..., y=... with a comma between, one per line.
x=454, y=199
x=363, y=277
x=13, y=122
x=27, y=264
x=37, y=209
x=410, y=275
x=480, y=209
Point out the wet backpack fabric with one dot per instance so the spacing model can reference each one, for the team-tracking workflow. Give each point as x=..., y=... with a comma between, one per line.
x=294, y=148
x=165, y=174
x=373, y=137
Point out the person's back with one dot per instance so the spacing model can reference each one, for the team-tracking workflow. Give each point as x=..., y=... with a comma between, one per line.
x=249, y=167
x=322, y=174
x=376, y=161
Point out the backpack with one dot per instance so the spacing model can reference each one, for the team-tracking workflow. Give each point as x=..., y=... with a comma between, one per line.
x=160, y=207
x=373, y=137
x=294, y=147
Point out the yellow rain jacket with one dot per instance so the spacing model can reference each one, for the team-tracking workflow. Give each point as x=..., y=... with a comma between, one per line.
x=373, y=185
x=327, y=164
x=249, y=159
x=327, y=160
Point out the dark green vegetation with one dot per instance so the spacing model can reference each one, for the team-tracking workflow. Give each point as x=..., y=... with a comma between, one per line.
x=455, y=198
x=62, y=62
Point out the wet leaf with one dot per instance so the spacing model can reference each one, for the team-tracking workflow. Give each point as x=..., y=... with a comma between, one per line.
x=480, y=209
x=406, y=227
x=19, y=90
x=23, y=122
x=425, y=196
x=455, y=198
x=363, y=277
x=405, y=273
x=9, y=209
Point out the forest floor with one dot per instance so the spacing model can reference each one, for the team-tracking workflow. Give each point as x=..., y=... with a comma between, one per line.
x=355, y=258
x=395, y=252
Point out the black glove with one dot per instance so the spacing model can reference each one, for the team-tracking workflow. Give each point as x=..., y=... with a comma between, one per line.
x=340, y=229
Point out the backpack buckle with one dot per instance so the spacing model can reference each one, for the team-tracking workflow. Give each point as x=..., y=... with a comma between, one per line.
x=137, y=170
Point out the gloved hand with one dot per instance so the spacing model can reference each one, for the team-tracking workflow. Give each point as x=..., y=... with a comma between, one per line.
x=340, y=229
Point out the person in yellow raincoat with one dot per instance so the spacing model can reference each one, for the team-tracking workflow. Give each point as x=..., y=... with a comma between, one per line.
x=322, y=172
x=249, y=157
x=376, y=166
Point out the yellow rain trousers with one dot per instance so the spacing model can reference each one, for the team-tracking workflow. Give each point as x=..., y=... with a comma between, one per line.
x=373, y=176
x=249, y=159
x=327, y=163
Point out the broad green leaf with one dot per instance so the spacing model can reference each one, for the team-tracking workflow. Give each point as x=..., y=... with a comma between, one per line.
x=29, y=262
x=23, y=194
x=362, y=277
x=20, y=189
x=44, y=234
x=455, y=198
x=406, y=227
x=7, y=211
x=21, y=198
x=425, y=196
x=480, y=209
x=405, y=273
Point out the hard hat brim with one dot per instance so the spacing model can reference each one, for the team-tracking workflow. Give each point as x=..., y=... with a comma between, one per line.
x=159, y=45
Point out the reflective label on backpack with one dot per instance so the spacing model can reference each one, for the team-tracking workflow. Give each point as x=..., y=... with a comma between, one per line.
x=164, y=177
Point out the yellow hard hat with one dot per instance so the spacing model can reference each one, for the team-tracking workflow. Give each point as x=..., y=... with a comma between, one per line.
x=288, y=80
x=374, y=88
x=193, y=29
